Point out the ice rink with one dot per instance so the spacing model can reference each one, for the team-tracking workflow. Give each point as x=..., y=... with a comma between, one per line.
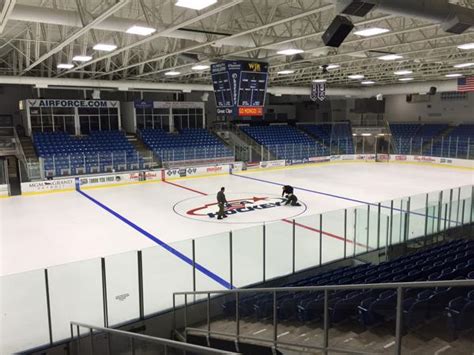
x=53, y=229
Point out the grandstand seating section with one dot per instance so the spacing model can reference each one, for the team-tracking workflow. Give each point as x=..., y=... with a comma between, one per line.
x=101, y=151
x=458, y=143
x=448, y=261
x=430, y=139
x=188, y=144
x=286, y=142
x=338, y=136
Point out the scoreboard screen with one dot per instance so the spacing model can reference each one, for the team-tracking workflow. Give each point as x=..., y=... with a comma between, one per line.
x=222, y=89
x=240, y=87
x=252, y=88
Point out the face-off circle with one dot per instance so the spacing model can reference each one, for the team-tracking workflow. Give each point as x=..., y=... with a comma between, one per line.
x=243, y=208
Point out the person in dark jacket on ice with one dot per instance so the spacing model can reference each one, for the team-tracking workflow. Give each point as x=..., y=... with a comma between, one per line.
x=221, y=202
x=291, y=199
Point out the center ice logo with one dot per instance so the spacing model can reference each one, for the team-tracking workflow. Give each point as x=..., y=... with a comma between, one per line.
x=242, y=205
x=243, y=208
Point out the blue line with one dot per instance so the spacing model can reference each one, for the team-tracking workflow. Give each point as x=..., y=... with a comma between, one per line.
x=343, y=197
x=173, y=251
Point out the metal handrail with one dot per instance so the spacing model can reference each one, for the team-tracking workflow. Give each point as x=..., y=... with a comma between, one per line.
x=389, y=285
x=399, y=286
x=160, y=341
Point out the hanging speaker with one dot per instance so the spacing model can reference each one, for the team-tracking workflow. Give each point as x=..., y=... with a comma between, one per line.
x=409, y=98
x=337, y=31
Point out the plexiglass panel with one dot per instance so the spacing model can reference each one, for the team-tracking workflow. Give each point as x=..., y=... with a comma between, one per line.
x=279, y=246
x=24, y=315
x=247, y=252
x=165, y=273
x=75, y=291
x=307, y=242
x=213, y=255
x=333, y=236
x=122, y=287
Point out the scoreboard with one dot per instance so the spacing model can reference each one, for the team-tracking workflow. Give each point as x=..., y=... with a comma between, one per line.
x=240, y=87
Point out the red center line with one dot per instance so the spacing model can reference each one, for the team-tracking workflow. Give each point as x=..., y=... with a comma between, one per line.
x=284, y=220
x=323, y=232
x=186, y=188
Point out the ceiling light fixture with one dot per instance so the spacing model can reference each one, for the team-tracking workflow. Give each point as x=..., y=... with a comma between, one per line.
x=456, y=75
x=200, y=67
x=285, y=72
x=390, y=57
x=466, y=46
x=464, y=65
x=172, y=73
x=319, y=80
x=406, y=79
x=330, y=66
x=82, y=58
x=290, y=51
x=403, y=72
x=356, y=76
x=104, y=47
x=373, y=31
x=368, y=82
x=195, y=4
x=65, y=66
x=141, y=31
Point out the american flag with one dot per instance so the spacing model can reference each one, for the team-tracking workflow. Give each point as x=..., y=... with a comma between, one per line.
x=466, y=84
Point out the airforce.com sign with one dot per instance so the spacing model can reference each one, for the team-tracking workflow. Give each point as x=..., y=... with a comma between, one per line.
x=72, y=103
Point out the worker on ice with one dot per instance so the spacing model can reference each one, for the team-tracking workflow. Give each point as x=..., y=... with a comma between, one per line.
x=221, y=202
x=290, y=198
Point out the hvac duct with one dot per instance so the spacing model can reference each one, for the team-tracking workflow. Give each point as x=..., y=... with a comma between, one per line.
x=453, y=18
x=442, y=86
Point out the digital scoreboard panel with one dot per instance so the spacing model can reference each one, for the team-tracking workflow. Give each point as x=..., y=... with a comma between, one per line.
x=240, y=87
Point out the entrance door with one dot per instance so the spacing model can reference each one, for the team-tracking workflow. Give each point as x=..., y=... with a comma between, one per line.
x=13, y=171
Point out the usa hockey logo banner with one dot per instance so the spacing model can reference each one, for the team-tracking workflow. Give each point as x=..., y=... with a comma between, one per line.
x=318, y=91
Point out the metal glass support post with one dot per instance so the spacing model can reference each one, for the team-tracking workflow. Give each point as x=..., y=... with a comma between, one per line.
x=91, y=340
x=185, y=316
x=462, y=215
x=326, y=322
x=368, y=228
x=293, y=250
x=208, y=318
x=426, y=220
x=440, y=208
x=48, y=305
x=231, y=260
x=391, y=222
x=398, y=326
x=132, y=346
x=140, y=285
x=264, y=252
x=411, y=145
x=78, y=341
x=407, y=221
x=345, y=233
x=104, y=293
x=442, y=146
x=386, y=238
x=458, y=206
x=378, y=225
x=431, y=147
x=472, y=204
x=275, y=320
x=320, y=239
x=355, y=233
x=445, y=215
x=450, y=206
x=193, y=244
x=457, y=146
x=468, y=147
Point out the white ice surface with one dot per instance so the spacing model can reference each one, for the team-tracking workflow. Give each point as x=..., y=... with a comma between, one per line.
x=46, y=230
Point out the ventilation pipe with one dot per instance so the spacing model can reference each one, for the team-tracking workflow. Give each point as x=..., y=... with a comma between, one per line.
x=411, y=88
x=453, y=18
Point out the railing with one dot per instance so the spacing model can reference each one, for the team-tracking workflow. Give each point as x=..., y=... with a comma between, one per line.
x=141, y=283
x=236, y=336
x=211, y=153
x=448, y=147
x=159, y=345
x=98, y=162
